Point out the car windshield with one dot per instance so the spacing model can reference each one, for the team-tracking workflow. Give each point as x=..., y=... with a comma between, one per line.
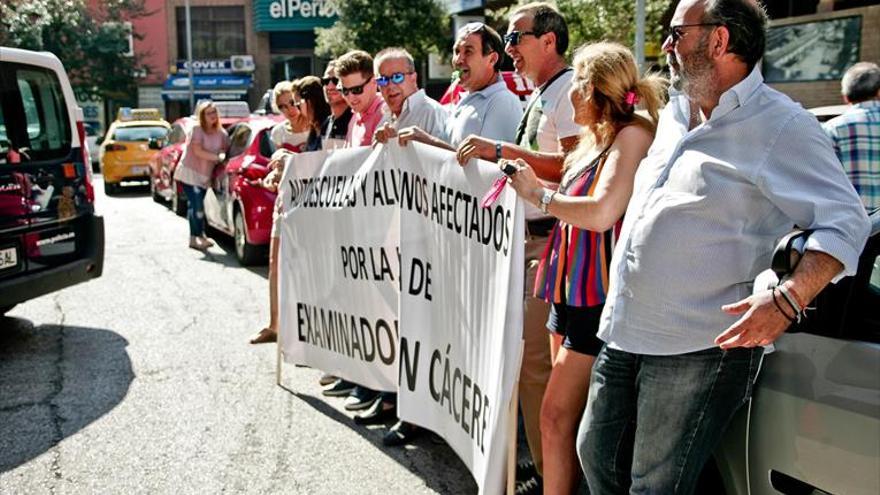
x=140, y=133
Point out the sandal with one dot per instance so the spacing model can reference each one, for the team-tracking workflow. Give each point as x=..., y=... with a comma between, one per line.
x=264, y=336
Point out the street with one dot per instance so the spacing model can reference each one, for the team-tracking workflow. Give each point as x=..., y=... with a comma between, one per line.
x=142, y=381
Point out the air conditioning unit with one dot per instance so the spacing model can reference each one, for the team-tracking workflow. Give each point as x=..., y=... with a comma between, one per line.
x=242, y=63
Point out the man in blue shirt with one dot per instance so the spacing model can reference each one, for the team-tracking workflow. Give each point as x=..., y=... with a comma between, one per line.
x=856, y=133
x=734, y=165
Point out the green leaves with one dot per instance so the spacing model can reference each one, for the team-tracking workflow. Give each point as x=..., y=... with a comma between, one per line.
x=420, y=26
x=91, y=43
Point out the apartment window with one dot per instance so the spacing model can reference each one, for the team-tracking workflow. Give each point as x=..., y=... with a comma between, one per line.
x=217, y=32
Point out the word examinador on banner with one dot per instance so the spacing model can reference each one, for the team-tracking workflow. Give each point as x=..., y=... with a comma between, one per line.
x=392, y=276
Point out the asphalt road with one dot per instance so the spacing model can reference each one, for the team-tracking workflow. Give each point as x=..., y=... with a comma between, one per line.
x=142, y=381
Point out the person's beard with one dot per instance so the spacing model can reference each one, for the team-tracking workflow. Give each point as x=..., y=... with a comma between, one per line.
x=694, y=75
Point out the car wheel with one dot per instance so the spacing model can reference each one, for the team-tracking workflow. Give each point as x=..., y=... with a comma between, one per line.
x=155, y=192
x=247, y=253
x=178, y=201
x=110, y=189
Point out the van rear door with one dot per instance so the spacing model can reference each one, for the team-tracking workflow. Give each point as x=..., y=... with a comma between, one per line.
x=42, y=175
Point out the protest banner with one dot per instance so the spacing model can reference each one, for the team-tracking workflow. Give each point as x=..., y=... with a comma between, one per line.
x=338, y=267
x=361, y=228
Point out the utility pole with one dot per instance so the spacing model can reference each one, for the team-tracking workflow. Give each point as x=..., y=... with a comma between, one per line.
x=189, y=60
x=640, y=34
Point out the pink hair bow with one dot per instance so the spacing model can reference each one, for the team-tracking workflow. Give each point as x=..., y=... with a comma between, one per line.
x=631, y=98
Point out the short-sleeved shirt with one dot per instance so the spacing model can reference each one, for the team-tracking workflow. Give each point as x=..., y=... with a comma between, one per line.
x=421, y=111
x=284, y=138
x=197, y=171
x=493, y=113
x=549, y=118
x=856, y=139
x=364, y=124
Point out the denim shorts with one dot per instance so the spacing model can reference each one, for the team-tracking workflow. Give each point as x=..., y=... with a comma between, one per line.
x=578, y=327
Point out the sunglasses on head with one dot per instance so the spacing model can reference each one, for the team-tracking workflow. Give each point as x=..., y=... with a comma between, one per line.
x=330, y=80
x=676, y=32
x=470, y=28
x=513, y=38
x=396, y=78
x=356, y=90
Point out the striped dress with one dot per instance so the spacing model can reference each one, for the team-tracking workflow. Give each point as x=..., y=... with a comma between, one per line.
x=574, y=267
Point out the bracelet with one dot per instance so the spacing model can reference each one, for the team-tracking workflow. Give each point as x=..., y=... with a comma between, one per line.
x=779, y=307
x=797, y=297
x=797, y=308
x=497, y=150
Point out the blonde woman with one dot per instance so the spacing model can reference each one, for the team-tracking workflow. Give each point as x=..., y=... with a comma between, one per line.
x=573, y=273
x=205, y=148
x=288, y=137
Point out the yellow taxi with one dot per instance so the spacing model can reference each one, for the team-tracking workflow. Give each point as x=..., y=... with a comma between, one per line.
x=130, y=143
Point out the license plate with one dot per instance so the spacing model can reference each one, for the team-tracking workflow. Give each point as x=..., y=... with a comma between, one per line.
x=8, y=258
x=142, y=170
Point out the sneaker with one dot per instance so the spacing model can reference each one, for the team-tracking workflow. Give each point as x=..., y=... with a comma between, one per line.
x=400, y=434
x=327, y=379
x=379, y=412
x=339, y=388
x=532, y=486
x=360, y=398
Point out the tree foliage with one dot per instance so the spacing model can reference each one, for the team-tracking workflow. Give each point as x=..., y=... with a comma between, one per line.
x=601, y=20
x=90, y=43
x=420, y=26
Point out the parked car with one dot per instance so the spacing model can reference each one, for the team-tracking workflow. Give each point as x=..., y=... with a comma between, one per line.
x=236, y=204
x=813, y=424
x=50, y=237
x=162, y=164
x=129, y=145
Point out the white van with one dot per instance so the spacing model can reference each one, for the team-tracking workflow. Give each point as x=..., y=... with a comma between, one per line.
x=50, y=237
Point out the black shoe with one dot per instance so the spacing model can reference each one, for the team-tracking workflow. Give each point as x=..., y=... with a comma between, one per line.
x=360, y=398
x=339, y=388
x=532, y=486
x=526, y=470
x=401, y=433
x=379, y=412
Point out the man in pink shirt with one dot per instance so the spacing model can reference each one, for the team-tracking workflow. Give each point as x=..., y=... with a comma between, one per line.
x=358, y=87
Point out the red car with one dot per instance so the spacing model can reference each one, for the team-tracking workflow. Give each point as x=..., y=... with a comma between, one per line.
x=162, y=165
x=236, y=203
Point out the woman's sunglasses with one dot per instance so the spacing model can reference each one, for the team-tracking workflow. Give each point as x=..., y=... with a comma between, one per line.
x=396, y=78
x=326, y=81
x=356, y=90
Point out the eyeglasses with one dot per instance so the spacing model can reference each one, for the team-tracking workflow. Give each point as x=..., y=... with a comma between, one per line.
x=356, y=90
x=514, y=37
x=676, y=32
x=326, y=81
x=396, y=78
x=285, y=106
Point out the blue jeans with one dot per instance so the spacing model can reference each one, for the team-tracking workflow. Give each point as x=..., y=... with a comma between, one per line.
x=652, y=422
x=195, y=209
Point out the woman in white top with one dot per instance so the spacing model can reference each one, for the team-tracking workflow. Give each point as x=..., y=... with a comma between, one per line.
x=288, y=137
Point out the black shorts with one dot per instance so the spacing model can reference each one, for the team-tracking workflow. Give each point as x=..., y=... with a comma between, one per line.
x=578, y=326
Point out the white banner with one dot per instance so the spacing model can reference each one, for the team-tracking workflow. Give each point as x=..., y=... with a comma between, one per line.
x=459, y=279
x=338, y=266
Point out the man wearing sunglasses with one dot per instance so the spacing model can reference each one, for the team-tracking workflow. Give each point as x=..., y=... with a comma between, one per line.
x=407, y=105
x=734, y=165
x=335, y=128
x=358, y=87
x=489, y=109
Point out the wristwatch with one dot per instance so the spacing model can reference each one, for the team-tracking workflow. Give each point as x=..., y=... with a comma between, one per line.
x=546, y=198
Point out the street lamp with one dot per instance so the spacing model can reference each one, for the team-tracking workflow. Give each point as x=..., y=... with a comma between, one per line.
x=640, y=34
x=189, y=60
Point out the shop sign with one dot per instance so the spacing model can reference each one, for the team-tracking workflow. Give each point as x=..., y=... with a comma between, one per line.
x=294, y=15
